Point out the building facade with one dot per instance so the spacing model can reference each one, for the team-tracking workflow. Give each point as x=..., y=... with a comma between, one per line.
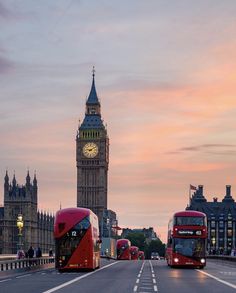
x=38, y=226
x=221, y=220
x=109, y=224
x=92, y=158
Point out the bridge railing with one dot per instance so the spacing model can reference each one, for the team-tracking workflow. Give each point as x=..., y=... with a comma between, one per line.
x=222, y=257
x=6, y=265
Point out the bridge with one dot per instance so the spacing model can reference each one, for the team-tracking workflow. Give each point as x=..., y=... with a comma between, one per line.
x=113, y=276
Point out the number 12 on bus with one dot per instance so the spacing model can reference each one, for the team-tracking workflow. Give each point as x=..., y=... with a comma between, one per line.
x=76, y=238
x=186, y=243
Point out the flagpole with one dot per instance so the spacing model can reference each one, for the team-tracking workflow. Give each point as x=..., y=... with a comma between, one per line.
x=189, y=195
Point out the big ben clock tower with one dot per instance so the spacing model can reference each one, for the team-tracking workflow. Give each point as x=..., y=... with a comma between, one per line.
x=92, y=157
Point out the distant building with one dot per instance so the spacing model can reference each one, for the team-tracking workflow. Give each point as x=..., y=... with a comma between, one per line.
x=148, y=233
x=221, y=220
x=109, y=224
x=38, y=226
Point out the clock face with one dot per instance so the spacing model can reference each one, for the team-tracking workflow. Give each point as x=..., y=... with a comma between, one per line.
x=90, y=150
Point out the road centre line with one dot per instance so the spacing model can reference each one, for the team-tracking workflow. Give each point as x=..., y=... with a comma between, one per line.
x=5, y=280
x=154, y=278
x=217, y=279
x=139, y=275
x=78, y=278
x=151, y=267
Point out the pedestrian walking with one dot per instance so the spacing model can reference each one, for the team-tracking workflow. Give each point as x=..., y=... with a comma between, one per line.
x=38, y=252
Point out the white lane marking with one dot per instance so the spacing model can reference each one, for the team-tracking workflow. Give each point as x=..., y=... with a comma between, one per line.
x=78, y=278
x=228, y=273
x=151, y=266
x=217, y=279
x=19, y=277
x=5, y=280
x=137, y=281
x=154, y=278
x=139, y=275
x=135, y=288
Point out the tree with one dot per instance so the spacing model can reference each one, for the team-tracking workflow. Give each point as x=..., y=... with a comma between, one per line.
x=155, y=246
x=137, y=239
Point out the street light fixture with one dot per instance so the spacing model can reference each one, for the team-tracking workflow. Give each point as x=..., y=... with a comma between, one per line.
x=20, y=225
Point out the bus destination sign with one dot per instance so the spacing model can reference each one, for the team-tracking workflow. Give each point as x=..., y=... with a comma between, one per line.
x=190, y=232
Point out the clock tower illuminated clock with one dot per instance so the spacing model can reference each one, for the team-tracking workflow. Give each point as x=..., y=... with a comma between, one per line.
x=92, y=157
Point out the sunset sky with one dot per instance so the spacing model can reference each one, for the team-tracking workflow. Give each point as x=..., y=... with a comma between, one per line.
x=166, y=78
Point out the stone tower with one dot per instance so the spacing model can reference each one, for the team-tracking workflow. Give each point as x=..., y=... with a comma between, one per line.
x=19, y=200
x=92, y=157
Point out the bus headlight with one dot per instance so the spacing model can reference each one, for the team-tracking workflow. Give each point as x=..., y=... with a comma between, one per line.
x=176, y=259
x=202, y=260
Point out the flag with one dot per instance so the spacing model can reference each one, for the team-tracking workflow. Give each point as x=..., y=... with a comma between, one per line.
x=193, y=187
x=116, y=228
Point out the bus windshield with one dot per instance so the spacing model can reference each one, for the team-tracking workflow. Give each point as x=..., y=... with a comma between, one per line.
x=190, y=221
x=70, y=241
x=190, y=247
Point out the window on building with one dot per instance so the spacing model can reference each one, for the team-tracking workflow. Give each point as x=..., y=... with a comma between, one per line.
x=221, y=224
x=213, y=233
x=230, y=233
x=213, y=224
x=230, y=224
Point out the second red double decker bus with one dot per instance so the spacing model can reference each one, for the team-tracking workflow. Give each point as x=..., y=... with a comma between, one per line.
x=77, y=241
x=134, y=252
x=186, y=244
x=123, y=249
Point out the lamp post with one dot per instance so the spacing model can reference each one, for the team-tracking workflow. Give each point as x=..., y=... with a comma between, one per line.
x=20, y=225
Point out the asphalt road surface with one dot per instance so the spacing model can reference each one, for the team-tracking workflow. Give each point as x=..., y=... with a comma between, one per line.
x=126, y=276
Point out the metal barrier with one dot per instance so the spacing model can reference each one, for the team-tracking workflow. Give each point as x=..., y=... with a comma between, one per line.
x=6, y=265
x=222, y=257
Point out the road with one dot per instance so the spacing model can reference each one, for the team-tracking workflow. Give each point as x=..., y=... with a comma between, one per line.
x=126, y=276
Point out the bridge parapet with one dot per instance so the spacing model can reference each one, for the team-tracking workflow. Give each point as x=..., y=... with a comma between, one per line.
x=222, y=257
x=6, y=265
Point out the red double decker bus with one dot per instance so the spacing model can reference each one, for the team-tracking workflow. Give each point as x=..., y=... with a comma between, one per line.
x=123, y=249
x=134, y=252
x=141, y=255
x=187, y=236
x=77, y=241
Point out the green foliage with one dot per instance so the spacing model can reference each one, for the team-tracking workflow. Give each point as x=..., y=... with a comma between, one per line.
x=138, y=239
x=155, y=246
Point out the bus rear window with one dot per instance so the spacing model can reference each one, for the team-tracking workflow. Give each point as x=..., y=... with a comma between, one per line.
x=190, y=221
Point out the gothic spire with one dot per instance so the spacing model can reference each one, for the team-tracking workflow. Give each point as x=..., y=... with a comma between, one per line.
x=93, y=98
x=14, y=180
x=6, y=177
x=35, y=179
x=28, y=178
x=6, y=181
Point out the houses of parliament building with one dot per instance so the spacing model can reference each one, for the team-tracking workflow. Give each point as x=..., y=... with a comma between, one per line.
x=38, y=226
